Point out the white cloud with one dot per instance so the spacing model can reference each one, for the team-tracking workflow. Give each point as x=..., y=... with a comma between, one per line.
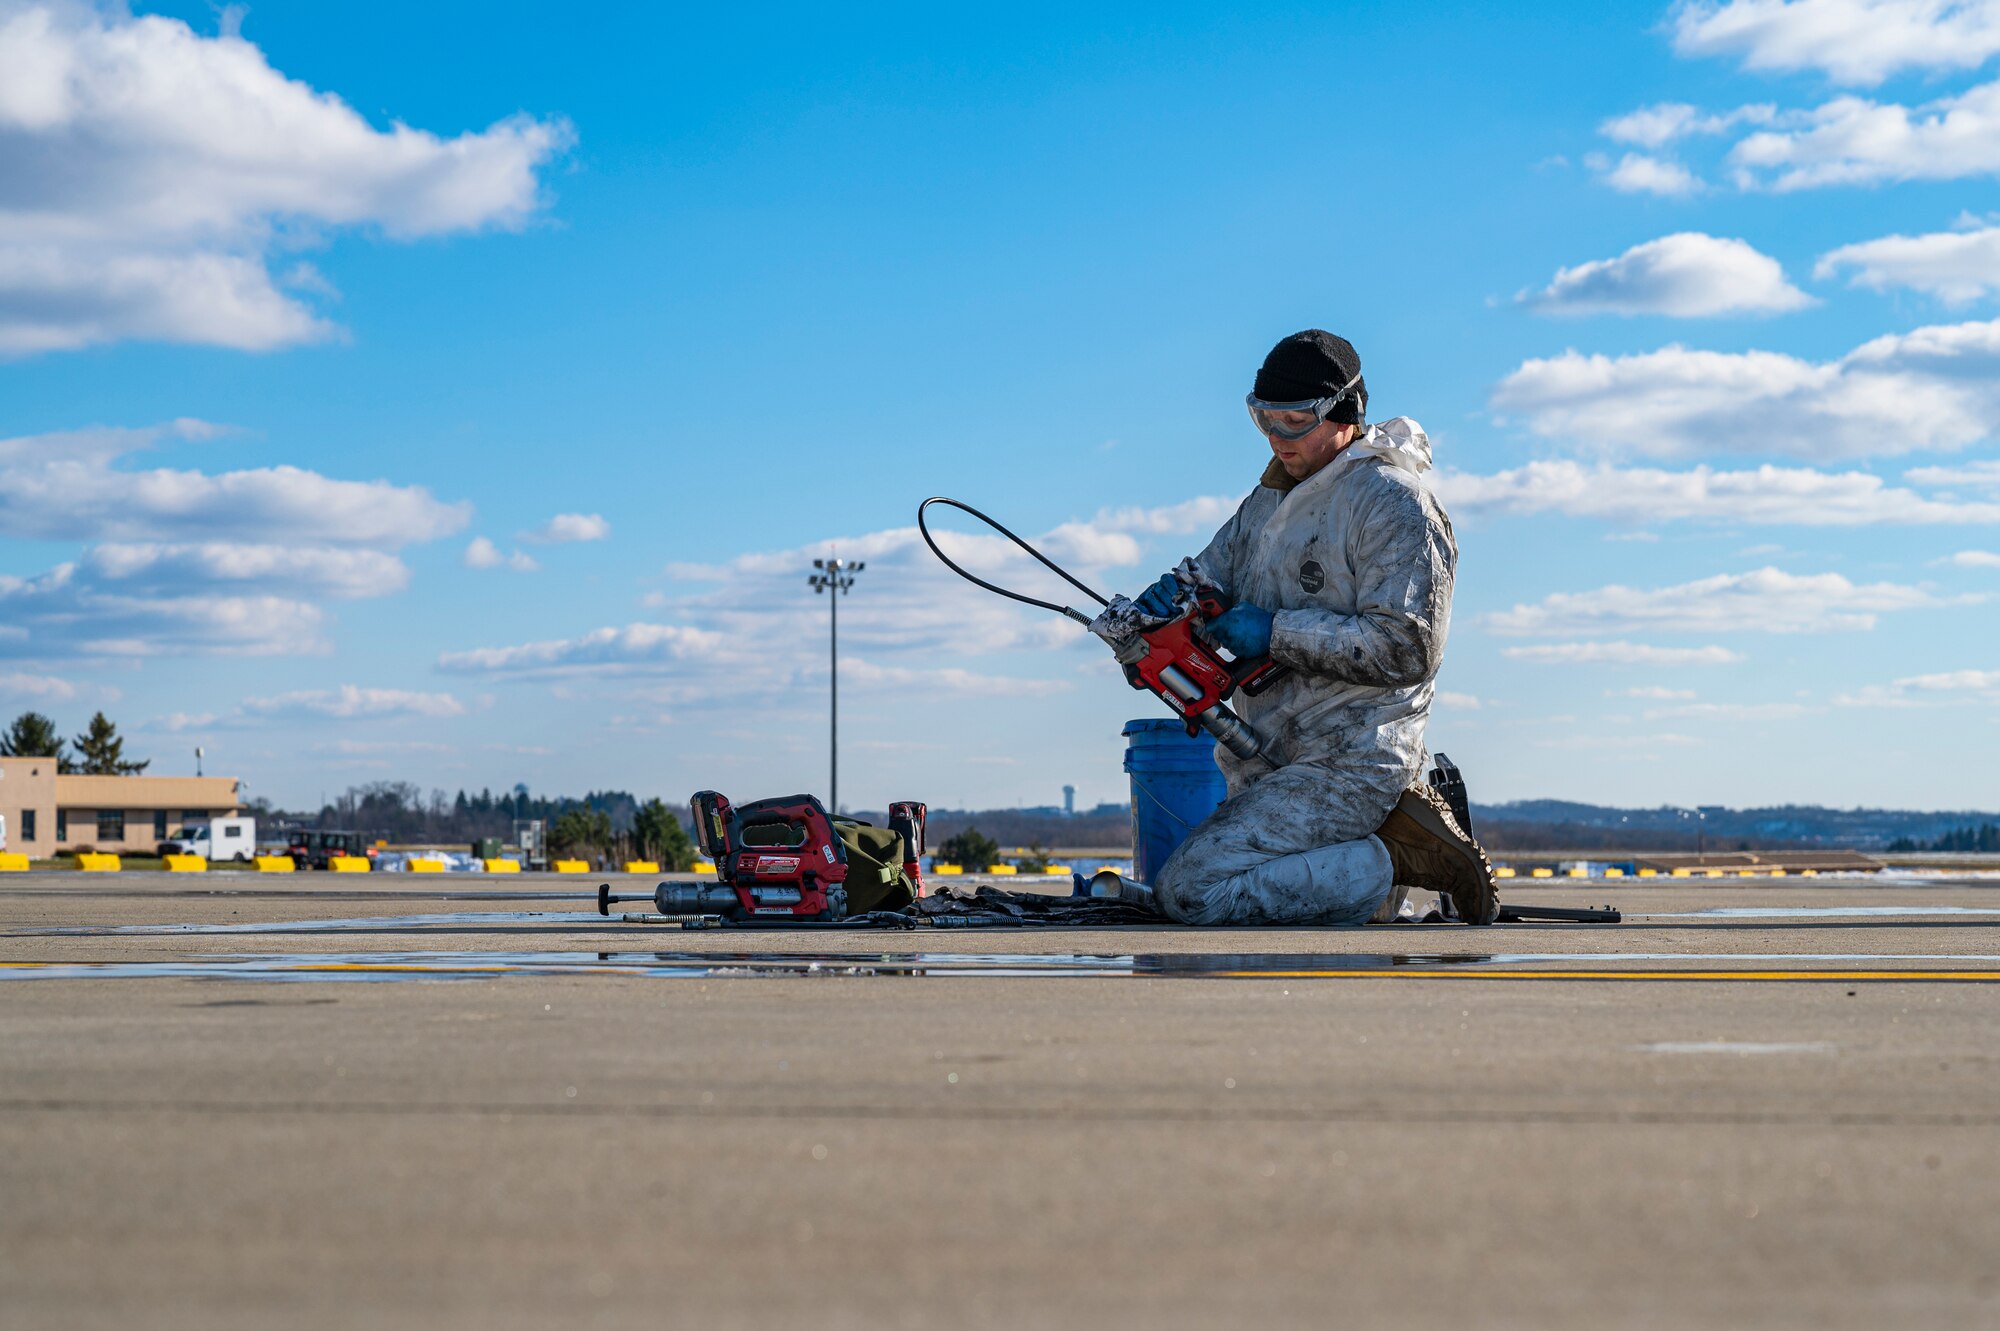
x=1653, y=693
x=482, y=553
x=1954, y=266
x=1766, y=495
x=1851, y=41
x=1729, y=711
x=1637, y=173
x=1943, y=688
x=1687, y=275
x=1654, y=127
x=65, y=615
x=67, y=487
x=350, y=702
x=182, y=561
x=632, y=645
x=1621, y=743
x=566, y=527
x=947, y=681
x=752, y=628
x=1464, y=702
x=1972, y=475
x=1619, y=653
x=1975, y=559
x=42, y=688
x=328, y=570
x=1766, y=600
x=1936, y=387
x=1853, y=141
x=176, y=722
x=153, y=174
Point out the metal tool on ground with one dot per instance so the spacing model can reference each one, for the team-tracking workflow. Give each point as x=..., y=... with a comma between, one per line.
x=776, y=858
x=1173, y=661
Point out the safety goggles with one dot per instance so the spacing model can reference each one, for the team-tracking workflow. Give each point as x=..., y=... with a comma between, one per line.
x=1295, y=420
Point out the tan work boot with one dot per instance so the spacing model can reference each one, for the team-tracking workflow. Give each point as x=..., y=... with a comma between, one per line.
x=1430, y=850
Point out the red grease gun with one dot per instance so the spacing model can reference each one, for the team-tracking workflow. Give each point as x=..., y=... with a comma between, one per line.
x=1173, y=661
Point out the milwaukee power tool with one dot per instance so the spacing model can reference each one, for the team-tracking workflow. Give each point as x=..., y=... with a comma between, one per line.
x=1177, y=662
x=773, y=858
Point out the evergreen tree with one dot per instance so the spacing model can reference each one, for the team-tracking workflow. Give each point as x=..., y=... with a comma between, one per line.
x=970, y=849
x=34, y=736
x=657, y=834
x=101, y=752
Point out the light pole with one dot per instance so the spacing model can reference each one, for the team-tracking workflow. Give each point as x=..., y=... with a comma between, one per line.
x=835, y=576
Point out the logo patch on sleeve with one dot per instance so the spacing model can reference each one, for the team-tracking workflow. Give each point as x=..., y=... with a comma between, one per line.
x=1312, y=577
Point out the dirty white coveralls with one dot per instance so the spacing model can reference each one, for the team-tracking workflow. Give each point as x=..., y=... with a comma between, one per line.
x=1356, y=564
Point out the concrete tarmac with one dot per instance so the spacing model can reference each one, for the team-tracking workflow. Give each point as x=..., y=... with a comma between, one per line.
x=1784, y=1116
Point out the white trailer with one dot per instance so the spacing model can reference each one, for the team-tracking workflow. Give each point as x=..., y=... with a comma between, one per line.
x=218, y=840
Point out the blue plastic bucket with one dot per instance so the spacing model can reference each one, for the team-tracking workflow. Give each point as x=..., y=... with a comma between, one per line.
x=1175, y=784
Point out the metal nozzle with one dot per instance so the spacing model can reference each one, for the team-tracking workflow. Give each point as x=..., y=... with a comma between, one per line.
x=1230, y=730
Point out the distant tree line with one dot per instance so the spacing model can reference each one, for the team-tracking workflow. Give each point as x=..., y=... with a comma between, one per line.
x=1981, y=840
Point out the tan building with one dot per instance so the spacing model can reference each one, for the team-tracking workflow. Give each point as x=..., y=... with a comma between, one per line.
x=47, y=813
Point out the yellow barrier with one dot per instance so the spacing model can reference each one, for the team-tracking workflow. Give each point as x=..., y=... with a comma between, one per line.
x=97, y=863
x=1503, y=872
x=1779, y=873
x=1541, y=873
x=1058, y=868
x=275, y=864
x=947, y=868
x=1001, y=868
x=641, y=866
x=349, y=863
x=1649, y=873
x=1683, y=873
x=502, y=866
x=1576, y=873
x=703, y=866
x=13, y=861
x=1614, y=873
x=186, y=863
x=1809, y=873
x=1713, y=873
x=424, y=866
x=571, y=866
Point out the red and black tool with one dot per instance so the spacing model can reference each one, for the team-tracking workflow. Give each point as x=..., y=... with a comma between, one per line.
x=906, y=820
x=1174, y=660
x=774, y=858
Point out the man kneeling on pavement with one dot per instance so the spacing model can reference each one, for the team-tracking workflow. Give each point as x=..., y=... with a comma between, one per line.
x=1340, y=567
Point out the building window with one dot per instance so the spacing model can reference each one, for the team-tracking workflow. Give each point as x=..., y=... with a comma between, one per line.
x=111, y=824
x=27, y=824
x=159, y=824
x=62, y=824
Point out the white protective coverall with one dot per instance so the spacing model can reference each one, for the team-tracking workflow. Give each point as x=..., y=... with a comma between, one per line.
x=1356, y=564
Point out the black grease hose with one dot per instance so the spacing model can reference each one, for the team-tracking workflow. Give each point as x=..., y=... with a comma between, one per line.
x=1046, y=562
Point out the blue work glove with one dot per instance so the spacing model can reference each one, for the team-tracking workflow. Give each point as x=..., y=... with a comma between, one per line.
x=1245, y=630
x=1158, y=599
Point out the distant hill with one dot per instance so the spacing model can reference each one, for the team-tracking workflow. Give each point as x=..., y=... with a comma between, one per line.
x=1563, y=824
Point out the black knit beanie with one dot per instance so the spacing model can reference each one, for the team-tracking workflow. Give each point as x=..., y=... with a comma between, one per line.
x=1315, y=364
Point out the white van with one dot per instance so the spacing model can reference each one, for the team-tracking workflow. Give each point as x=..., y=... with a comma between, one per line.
x=219, y=840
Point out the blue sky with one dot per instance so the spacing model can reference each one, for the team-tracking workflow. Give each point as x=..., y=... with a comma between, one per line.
x=460, y=395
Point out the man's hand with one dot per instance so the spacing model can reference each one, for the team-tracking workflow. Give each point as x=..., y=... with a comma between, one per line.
x=1245, y=630
x=1158, y=599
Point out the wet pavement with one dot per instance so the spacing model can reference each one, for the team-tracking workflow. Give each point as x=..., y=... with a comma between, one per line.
x=482, y=1104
